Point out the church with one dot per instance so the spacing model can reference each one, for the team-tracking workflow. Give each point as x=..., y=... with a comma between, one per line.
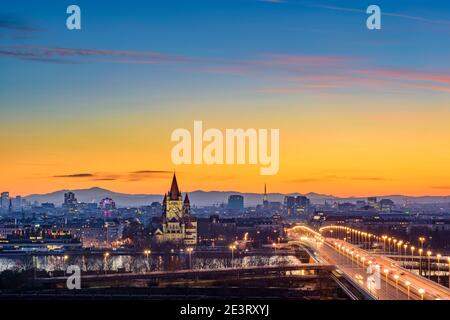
x=177, y=225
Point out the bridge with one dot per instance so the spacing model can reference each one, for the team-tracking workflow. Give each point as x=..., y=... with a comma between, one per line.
x=358, y=256
x=317, y=271
x=311, y=269
x=309, y=281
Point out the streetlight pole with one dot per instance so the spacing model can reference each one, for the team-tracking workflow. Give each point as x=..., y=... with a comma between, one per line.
x=396, y=285
x=232, y=247
x=106, y=255
x=147, y=253
x=407, y=283
x=438, y=256
x=189, y=250
x=412, y=258
x=421, y=292
x=386, y=272
x=405, y=246
x=422, y=240
x=429, y=264
x=448, y=260
x=420, y=261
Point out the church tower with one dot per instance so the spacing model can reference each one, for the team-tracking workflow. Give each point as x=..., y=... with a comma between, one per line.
x=178, y=225
x=186, y=205
x=174, y=202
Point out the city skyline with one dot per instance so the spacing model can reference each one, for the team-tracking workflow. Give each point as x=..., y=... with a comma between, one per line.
x=360, y=113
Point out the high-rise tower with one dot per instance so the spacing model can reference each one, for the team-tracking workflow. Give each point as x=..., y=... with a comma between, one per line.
x=265, y=198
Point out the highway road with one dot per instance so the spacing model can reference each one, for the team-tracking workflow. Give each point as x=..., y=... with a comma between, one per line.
x=395, y=282
x=396, y=275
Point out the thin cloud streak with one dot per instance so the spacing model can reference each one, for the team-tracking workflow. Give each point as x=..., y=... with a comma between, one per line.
x=334, y=177
x=315, y=72
x=15, y=24
x=390, y=14
x=129, y=176
x=75, y=175
x=366, y=78
x=67, y=55
x=441, y=187
x=408, y=75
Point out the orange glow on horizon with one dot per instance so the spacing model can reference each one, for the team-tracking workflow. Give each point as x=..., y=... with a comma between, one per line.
x=332, y=151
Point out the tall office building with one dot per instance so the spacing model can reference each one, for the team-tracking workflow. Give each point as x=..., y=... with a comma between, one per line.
x=236, y=202
x=70, y=202
x=289, y=204
x=18, y=203
x=297, y=205
x=4, y=201
x=372, y=201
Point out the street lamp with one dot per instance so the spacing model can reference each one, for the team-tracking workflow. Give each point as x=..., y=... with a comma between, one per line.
x=429, y=264
x=105, y=255
x=232, y=248
x=422, y=240
x=389, y=243
x=405, y=246
x=407, y=283
x=438, y=256
x=448, y=260
x=412, y=257
x=147, y=252
x=421, y=292
x=386, y=272
x=420, y=261
x=396, y=277
x=384, y=237
x=189, y=250
x=399, y=249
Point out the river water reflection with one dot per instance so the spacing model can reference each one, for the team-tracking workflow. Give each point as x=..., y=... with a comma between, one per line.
x=140, y=263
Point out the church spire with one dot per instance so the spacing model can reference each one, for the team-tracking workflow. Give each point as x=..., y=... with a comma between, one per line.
x=174, y=193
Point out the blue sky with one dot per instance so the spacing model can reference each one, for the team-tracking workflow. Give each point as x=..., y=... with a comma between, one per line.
x=248, y=63
x=215, y=33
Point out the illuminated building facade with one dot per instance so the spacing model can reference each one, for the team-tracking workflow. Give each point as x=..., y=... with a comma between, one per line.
x=177, y=224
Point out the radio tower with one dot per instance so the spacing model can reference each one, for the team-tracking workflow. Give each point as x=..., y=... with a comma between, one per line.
x=265, y=198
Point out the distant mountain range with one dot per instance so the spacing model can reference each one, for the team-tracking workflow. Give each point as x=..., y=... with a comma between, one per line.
x=207, y=198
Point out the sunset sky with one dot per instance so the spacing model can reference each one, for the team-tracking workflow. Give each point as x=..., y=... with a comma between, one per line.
x=360, y=112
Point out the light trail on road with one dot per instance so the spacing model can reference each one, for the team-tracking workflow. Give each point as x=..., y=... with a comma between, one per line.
x=395, y=282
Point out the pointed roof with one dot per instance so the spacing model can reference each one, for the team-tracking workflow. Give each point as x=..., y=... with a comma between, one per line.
x=174, y=193
x=265, y=198
x=186, y=199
